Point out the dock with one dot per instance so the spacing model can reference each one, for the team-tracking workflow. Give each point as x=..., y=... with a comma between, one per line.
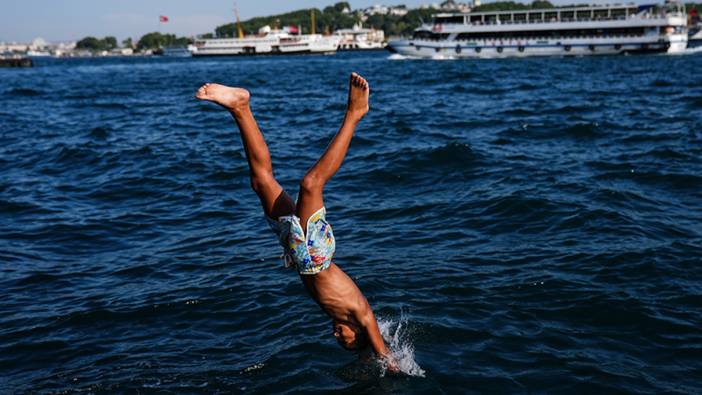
x=16, y=62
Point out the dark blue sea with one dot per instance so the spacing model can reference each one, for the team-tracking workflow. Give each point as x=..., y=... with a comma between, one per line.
x=520, y=226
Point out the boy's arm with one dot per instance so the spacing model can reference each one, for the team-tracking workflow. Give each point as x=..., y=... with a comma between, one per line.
x=367, y=320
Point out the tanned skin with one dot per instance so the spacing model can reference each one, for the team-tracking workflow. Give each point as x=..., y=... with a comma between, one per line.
x=334, y=291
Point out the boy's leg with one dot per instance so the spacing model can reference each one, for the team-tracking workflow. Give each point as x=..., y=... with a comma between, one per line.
x=312, y=185
x=275, y=201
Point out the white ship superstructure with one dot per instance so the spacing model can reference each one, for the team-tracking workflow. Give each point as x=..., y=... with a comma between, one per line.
x=359, y=38
x=596, y=29
x=268, y=42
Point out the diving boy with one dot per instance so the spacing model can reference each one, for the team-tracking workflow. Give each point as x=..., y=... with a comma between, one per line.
x=309, y=248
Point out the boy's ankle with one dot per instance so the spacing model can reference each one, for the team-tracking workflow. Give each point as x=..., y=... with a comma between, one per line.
x=354, y=116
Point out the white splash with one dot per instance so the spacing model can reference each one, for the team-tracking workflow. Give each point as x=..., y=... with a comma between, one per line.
x=690, y=51
x=400, y=344
x=687, y=51
x=397, y=56
x=442, y=57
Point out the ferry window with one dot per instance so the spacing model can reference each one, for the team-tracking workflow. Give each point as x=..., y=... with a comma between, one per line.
x=449, y=19
x=583, y=14
x=490, y=18
x=535, y=16
x=552, y=34
x=550, y=15
x=475, y=18
x=618, y=13
x=520, y=17
x=601, y=13
x=422, y=34
x=504, y=17
x=567, y=15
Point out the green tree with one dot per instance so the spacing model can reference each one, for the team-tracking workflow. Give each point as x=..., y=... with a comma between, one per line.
x=331, y=17
x=696, y=6
x=501, y=6
x=157, y=40
x=109, y=43
x=541, y=4
x=94, y=44
x=340, y=7
x=127, y=43
x=90, y=43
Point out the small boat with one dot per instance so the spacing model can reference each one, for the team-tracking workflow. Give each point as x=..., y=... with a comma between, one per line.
x=16, y=62
x=38, y=54
x=174, y=52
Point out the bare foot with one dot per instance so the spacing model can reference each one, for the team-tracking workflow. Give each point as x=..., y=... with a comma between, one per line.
x=233, y=99
x=358, y=97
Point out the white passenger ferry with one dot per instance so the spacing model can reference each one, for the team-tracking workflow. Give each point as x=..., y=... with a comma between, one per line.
x=596, y=29
x=267, y=42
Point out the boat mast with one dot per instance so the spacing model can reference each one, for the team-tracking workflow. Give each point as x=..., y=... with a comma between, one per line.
x=238, y=22
x=313, y=22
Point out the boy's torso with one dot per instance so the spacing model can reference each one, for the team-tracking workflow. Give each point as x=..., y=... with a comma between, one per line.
x=335, y=292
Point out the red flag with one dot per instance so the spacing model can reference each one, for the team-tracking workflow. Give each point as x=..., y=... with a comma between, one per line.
x=292, y=29
x=163, y=18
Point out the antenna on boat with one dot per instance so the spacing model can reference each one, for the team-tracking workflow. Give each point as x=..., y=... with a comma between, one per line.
x=238, y=22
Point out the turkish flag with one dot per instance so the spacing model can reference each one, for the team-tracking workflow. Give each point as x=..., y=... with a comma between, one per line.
x=163, y=18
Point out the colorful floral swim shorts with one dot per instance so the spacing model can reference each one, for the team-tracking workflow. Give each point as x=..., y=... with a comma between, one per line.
x=310, y=254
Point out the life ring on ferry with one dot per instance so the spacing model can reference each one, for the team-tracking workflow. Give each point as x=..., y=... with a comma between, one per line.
x=591, y=47
x=567, y=48
x=520, y=48
x=499, y=49
x=478, y=49
x=458, y=48
x=617, y=47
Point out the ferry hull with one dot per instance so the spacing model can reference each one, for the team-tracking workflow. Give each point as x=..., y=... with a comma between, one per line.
x=270, y=53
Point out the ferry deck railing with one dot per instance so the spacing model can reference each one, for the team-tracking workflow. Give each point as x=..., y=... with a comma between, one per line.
x=543, y=19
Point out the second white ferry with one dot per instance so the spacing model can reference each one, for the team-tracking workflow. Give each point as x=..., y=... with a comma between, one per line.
x=596, y=29
x=267, y=42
